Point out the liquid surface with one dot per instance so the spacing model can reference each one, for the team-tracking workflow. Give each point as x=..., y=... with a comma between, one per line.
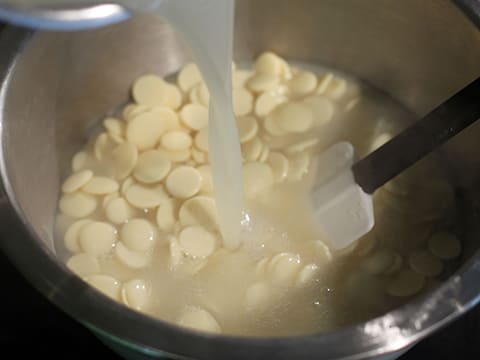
x=138, y=221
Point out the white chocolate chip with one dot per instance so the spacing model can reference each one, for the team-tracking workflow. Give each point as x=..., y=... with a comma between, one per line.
x=294, y=117
x=207, y=180
x=103, y=146
x=84, y=264
x=79, y=161
x=201, y=140
x=118, y=211
x=145, y=197
x=152, y=166
x=132, y=259
x=101, y=185
x=379, y=262
x=267, y=102
x=124, y=158
x=175, y=140
x=145, y=130
x=279, y=165
x=138, y=235
x=284, y=268
x=247, y=128
x=261, y=82
x=77, y=204
x=188, y=77
x=166, y=215
x=105, y=284
x=71, y=235
x=252, y=149
x=257, y=177
x=200, y=210
x=113, y=126
x=184, y=182
x=322, y=109
x=445, y=245
x=198, y=319
x=97, y=238
x=75, y=181
x=270, y=63
x=258, y=296
x=194, y=116
x=135, y=294
x=151, y=90
x=405, y=283
x=302, y=83
x=307, y=274
x=199, y=95
x=425, y=263
x=176, y=156
x=196, y=241
x=242, y=102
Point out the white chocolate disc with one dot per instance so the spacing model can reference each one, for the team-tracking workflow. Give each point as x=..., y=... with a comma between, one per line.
x=267, y=102
x=132, y=110
x=79, y=161
x=145, y=197
x=279, y=165
x=302, y=83
x=425, y=263
x=378, y=262
x=201, y=140
x=84, y=264
x=261, y=82
x=152, y=166
x=188, y=77
x=257, y=177
x=194, y=116
x=196, y=241
x=176, y=156
x=184, y=182
x=252, y=149
x=118, y=211
x=199, y=95
x=258, y=296
x=322, y=109
x=113, y=126
x=77, y=204
x=247, y=128
x=145, y=130
x=336, y=88
x=175, y=140
x=284, y=269
x=198, y=319
x=207, y=180
x=132, y=259
x=200, y=210
x=307, y=274
x=271, y=127
x=101, y=185
x=151, y=90
x=105, y=284
x=138, y=235
x=240, y=77
x=444, y=245
x=270, y=63
x=71, y=235
x=242, y=102
x=166, y=215
x=75, y=181
x=135, y=294
x=199, y=157
x=124, y=158
x=103, y=146
x=97, y=238
x=293, y=117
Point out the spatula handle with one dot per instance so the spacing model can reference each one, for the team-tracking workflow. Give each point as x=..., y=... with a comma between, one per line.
x=418, y=140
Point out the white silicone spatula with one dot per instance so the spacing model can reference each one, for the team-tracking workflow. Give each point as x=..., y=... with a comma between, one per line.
x=342, y=193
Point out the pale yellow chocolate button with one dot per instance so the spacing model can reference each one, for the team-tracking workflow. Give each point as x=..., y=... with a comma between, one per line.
x=196, y=241
x=258, y=296
x=378, y=262
x=135, y=294
x=199, y=157
x=166, y=215
x=84, y=264
x=124, y=158
x=270, y=63
x=279, y=165
x=294, y=117
x=406, y=283
x=201, y=140
x=425, y=263
x=242, y=102
x=132, y=110
x=176, y=156
x=129, y=181
x=307, y=274
x=113, y=126
x=77, y=204
x=194, y=116
x=247, y=128
x=97, y=238
x=75, y=181
x=175, y=140
x=199, y=95
x=267, y=102
x=200, y=210
x=285, y=269
x=207, y=180
x=252, y=149
x=198, y=319
x=336, y=88
x=79, y=160
x=101, y=185
x=184, y=182
x=145, y=130
x=445, y=245
x=240, y=77
x=152, y=166
x=138, y=235
x=301, y=146
x=322, y=109
x=132, y=259
x=118, y=211
x=298, y=166
x=106, y=284
x=261, y=82
x=113, y=267
x=151, y=90
x=103, y=146
x=257, y=178
x=188, y=77
x=145, y=197
x=71, y=235
x=302, y=83
x=271, y=127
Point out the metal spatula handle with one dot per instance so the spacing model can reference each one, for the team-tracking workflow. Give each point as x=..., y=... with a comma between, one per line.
x=418, y=140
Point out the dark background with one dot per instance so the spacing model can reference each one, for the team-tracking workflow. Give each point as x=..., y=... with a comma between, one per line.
x=31, y=327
